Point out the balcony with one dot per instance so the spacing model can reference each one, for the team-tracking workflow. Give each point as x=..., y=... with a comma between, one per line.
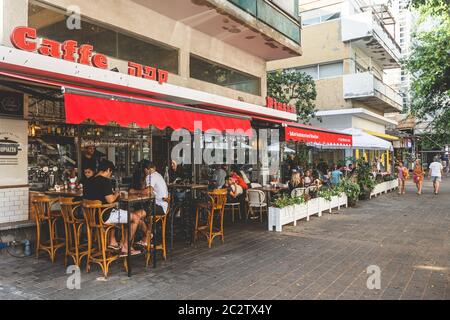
x=259, y=27
x=368, y=32
x=365, y=87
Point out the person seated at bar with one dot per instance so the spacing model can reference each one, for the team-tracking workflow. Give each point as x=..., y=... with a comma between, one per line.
x=175, y=172
x=219, y=176
x=234, y=190
x=295, y=182
x=176, y=175
x=236, y=176
x=307, y=180
x=88, y=173
x=100, y=188
x=158, y=187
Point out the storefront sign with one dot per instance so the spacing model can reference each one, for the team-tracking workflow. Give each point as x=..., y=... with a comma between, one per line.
x=320, y=137
x=9, y=147
x=25, y=38
x=11, y=104
x=13, y=152
x=274, y=104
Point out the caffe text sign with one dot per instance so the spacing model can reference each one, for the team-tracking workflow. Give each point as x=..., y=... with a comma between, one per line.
x=25, y=38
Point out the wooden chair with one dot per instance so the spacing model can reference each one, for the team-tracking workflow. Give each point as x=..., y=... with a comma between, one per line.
x=43, y=213
x=73, y=226
x=161, y=246
x=94, y=211
x=256, y=200
x=215, y=208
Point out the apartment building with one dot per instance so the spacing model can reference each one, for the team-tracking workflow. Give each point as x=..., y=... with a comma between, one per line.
x=201, y=58
x=348, y=47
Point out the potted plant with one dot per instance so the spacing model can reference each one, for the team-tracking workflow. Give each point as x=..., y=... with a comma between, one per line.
x=281, y=212
x=300, y=208
x=324, y=196
x=335, y=194
x=365, y=178
x=352, y=191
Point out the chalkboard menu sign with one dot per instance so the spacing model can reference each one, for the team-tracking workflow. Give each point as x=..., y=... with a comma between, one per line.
x=11, y=104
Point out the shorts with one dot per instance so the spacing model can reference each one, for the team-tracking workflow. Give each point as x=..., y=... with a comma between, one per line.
x=117, y=217
x=436, y=179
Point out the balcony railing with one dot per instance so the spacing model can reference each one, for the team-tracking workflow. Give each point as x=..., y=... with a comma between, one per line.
x=366, y=85
x=273, y=16
x=361, y=25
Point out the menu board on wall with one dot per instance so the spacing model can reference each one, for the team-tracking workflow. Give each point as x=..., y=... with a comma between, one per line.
x=11, y=104
x=13, y=152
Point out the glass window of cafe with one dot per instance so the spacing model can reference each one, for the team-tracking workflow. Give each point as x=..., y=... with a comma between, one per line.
x=50, y=22
x=56, y=149
x=202, y=69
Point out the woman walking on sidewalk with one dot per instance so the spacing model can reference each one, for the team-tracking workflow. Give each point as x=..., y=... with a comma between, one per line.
x=418, y=176
x=402, y=175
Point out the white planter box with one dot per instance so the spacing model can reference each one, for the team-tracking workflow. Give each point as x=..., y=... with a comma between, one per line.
x=279, y=217
x=301, y=211
x=324, y=205
x=313, y=207
x=334, y=202
x=380, y=188
x=343, y=200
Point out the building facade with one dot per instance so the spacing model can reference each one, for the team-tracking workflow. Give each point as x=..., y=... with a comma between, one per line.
x=209, y=55
x=348, y=47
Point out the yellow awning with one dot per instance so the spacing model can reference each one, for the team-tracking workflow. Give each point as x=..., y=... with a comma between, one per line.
x=382, y=135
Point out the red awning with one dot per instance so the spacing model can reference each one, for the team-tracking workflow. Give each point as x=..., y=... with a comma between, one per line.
x=145, y=112
x=304, y=133
x=103, y=106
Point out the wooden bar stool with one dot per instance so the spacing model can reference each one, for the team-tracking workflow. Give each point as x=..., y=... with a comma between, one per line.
x=43, y=213
x=94, y=211
x=162, y=218
x=215, y=208
x=73, y=226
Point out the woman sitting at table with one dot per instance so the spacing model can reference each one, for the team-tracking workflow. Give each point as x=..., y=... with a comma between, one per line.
x=234, y=190
x=295, y=182
x=236, y=176
x=308, y=179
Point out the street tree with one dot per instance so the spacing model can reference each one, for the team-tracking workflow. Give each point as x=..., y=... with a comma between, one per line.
x=296, y=88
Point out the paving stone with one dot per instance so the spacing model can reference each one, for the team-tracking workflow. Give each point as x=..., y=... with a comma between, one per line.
x=326, y=258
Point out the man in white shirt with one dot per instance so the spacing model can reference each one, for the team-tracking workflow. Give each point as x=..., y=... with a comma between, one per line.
x=159, y=188
x=435, y=173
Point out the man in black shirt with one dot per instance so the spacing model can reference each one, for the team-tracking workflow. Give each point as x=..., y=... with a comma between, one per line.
x=88, y=159
x=100, y=188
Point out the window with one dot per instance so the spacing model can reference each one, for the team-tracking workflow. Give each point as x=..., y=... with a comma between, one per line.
x=202, y=69
x=312, y=71
x=322, y=14
x=330, y=70
x=323, y=71
x=51, y=23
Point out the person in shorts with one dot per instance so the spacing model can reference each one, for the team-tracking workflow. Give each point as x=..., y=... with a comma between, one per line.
x=435, y=173
x=100, y=188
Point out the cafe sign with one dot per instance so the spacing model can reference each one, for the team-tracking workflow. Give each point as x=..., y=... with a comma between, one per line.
x=272, y=103
x=9, y=147
x=25, y=38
